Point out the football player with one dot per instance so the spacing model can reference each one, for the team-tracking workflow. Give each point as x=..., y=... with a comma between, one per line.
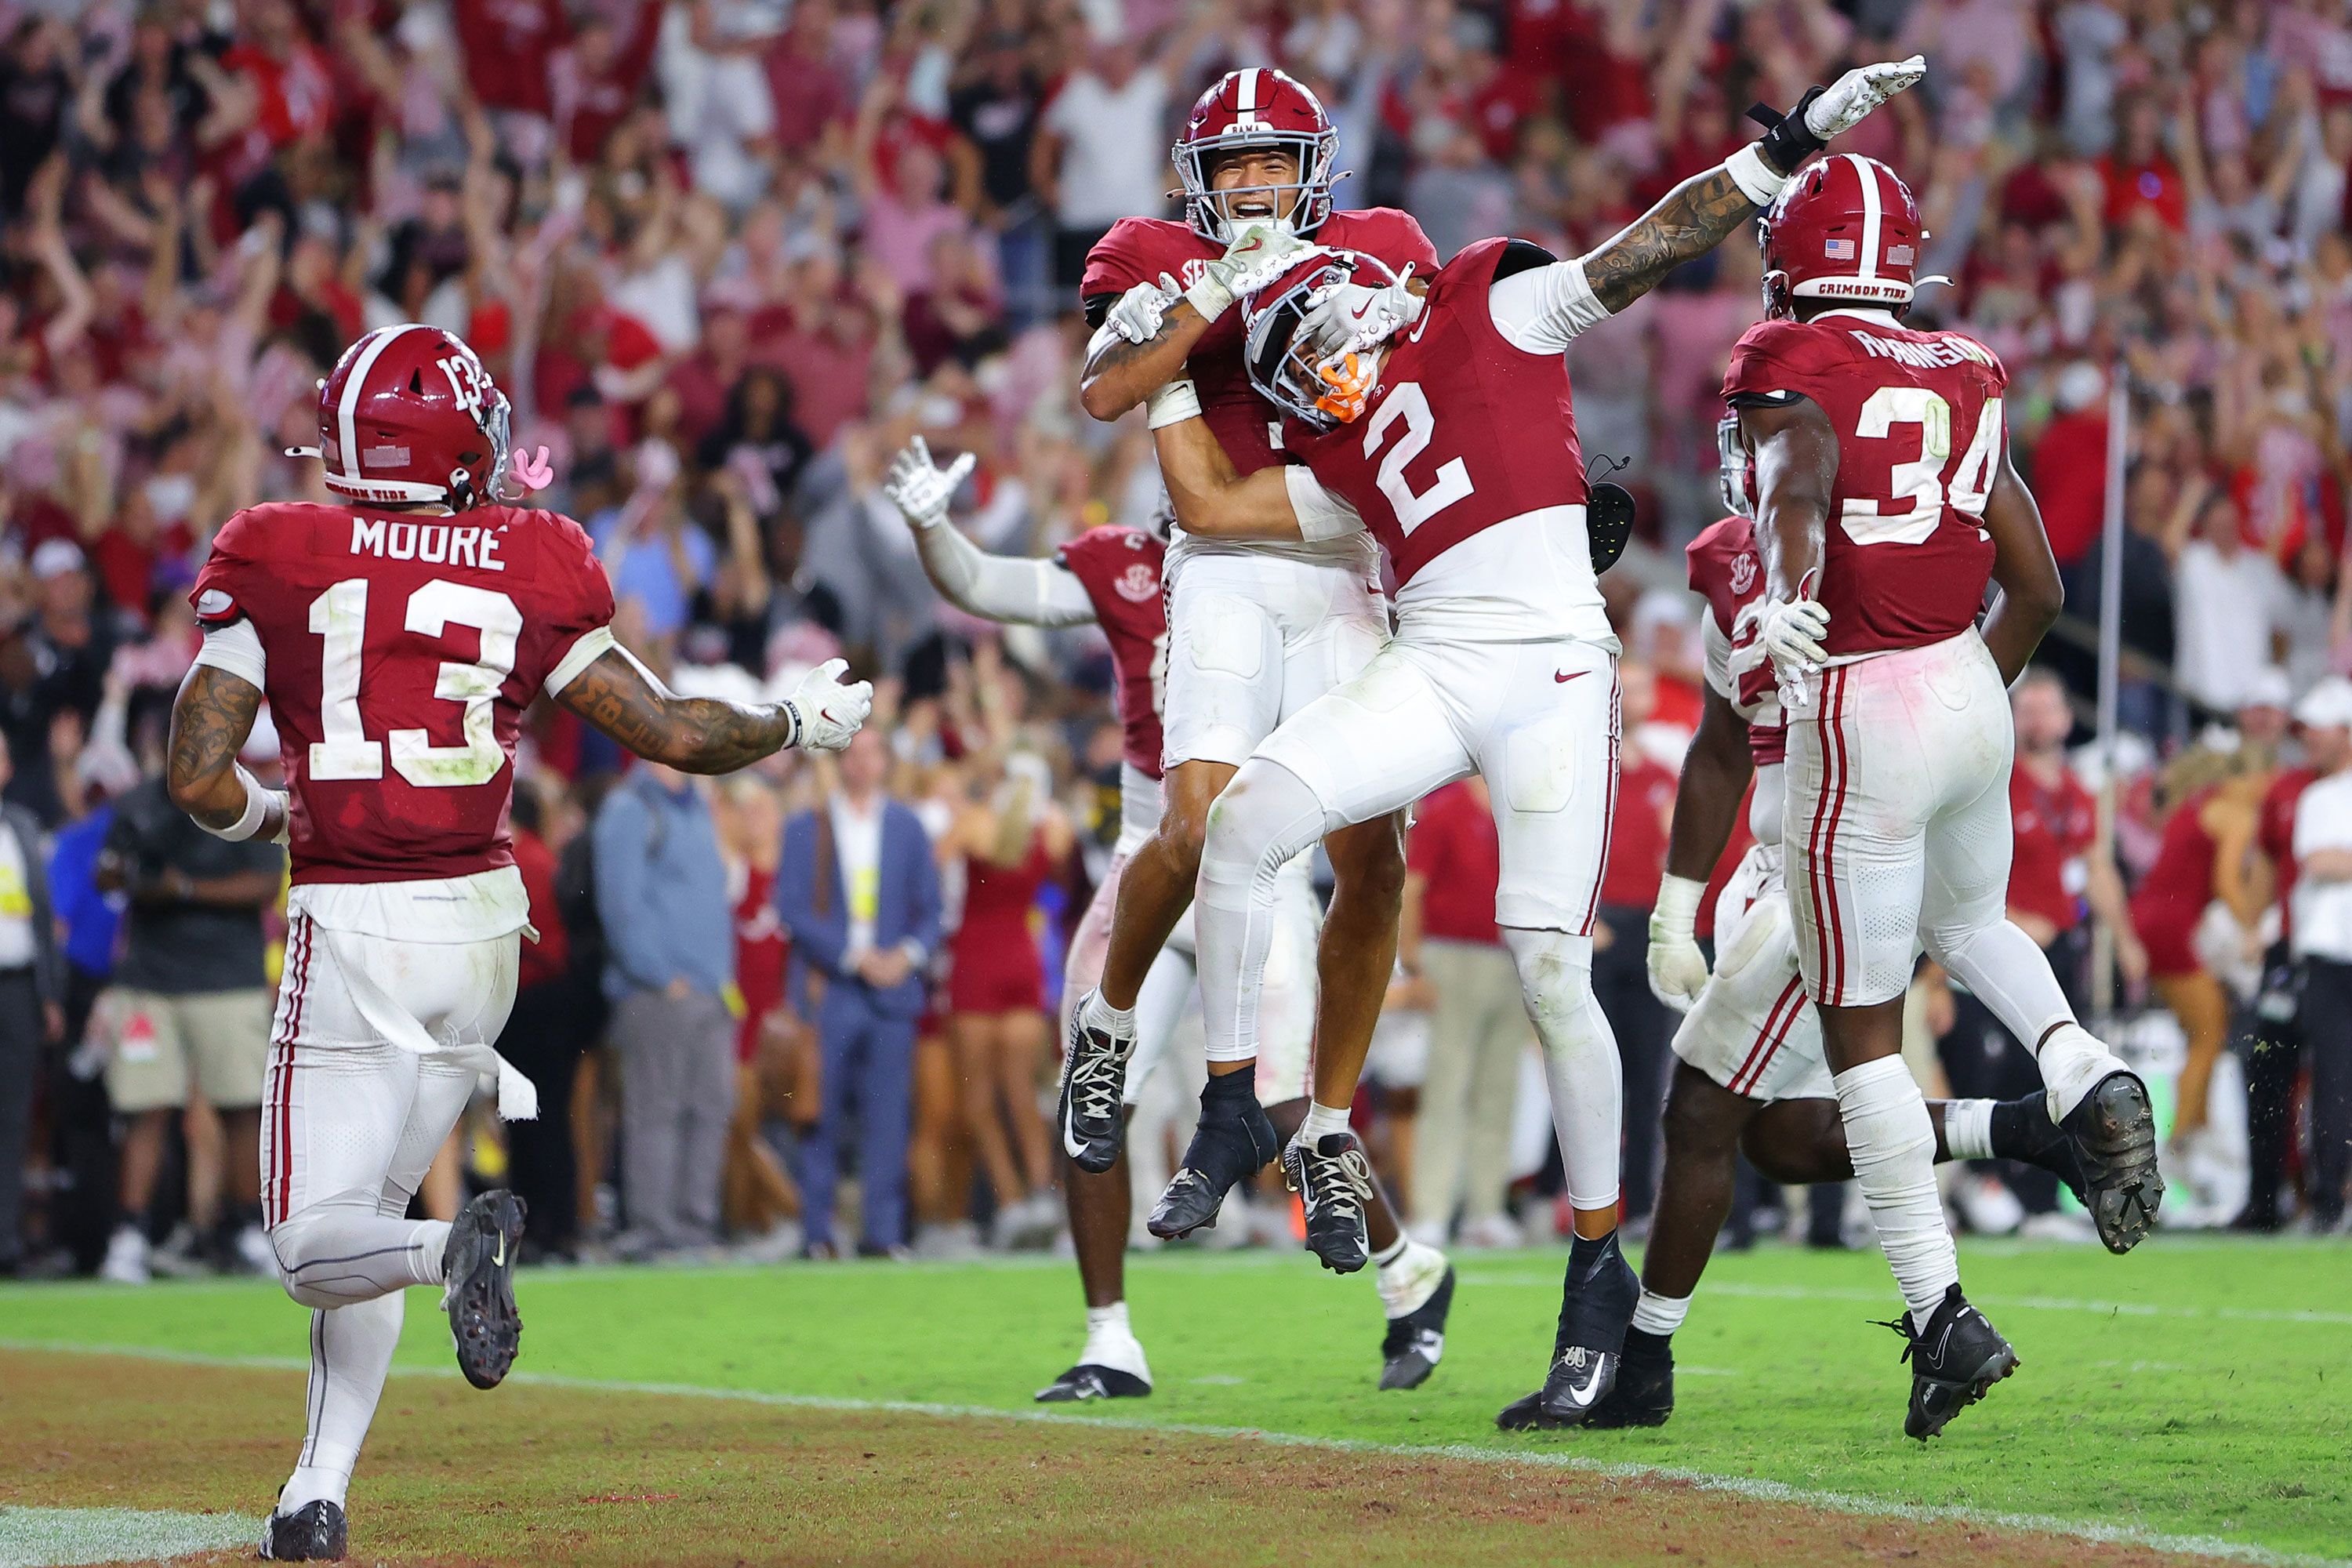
x=1885, y=504
x=1111, y=576
x=1750, y=1078
x=1443, y=425
x=397, y=640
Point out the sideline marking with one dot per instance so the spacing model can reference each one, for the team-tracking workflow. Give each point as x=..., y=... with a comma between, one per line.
x=46, y=1537
x=1745, y=1487
x=2024, y=1303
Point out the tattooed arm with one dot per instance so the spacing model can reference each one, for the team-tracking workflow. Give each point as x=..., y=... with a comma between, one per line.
x=1118, y=374
x=1690, y=220
x=210, y=718
x=705, y=735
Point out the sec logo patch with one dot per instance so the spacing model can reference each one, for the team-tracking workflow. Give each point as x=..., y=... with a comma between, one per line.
x=1743, y=573
x=1137, y=584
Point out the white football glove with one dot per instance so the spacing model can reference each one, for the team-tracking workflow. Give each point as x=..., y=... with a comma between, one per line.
x=1256, y=258
x=1678, y=967
x=1353, y=316
x=1136, y=315
x=827, y=710
x=1849, y=100
x=919, y=488
x=1790, y=633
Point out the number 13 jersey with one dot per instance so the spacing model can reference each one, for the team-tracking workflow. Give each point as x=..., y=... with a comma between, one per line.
x=1904, y=556
x=401, y=648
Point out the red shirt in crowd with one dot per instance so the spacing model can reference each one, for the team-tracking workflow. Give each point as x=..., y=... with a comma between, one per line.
x=762, y=950
x=2070, y=481
x=602, y=95
x=545, y=959
x=2274, y=833
x=507, y=44
x=1456, y=849
x=1637, y=833
x=2056, y=826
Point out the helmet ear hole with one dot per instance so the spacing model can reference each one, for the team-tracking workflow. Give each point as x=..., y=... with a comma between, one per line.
x=416, y=382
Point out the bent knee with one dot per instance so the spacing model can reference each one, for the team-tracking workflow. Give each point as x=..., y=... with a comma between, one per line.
x=1368, y=860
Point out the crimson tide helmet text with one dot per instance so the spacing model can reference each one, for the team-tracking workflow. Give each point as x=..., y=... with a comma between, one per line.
x=1845, y=228
x=1257, y=107
x=408, y=416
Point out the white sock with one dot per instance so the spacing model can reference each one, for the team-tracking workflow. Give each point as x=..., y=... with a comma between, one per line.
x=1894, y=1148
x=1660, y=1315
x=1392, y=1251
x=1111, y=1342
x=350, y=1351
x=1101, y=1014
x=2073, y=1062
x=1968, y=1129
x=1410, y=1277
x=1320, y=1120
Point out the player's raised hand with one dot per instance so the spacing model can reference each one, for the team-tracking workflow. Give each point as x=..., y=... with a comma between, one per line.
x=1847, y=101
x=1258, y=254
x=1353, y=316
x=1678, y=967
x=1136, y=315
x=919, y=488
x=830, y=711
x=1791, y=632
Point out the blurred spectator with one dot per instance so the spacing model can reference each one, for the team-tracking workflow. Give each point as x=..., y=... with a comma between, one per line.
x=760, y=1200
x=661, y=892
x=544, y=1035
x=2322, y=943
x=860, y=899
x=1638, y=828
x=32, y=1012
x=1103, y=151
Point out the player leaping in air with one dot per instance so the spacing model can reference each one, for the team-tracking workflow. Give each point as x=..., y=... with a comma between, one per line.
x=1443, y=425
x=1885, y=505
x=398, y=639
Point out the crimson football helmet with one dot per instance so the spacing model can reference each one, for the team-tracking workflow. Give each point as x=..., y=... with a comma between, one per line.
x=408, y=415
x=1258, y=107
x=1845, y=227
x=1325, y=392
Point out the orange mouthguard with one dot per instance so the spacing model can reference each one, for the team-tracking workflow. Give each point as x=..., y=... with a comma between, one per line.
x=1349, y=382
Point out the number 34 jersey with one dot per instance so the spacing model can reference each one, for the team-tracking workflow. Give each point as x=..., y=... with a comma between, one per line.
x=1918, y=419
x=402, y=650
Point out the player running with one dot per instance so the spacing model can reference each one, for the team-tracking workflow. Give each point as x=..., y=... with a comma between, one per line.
x=1444, y=425
x=398, y=640
x=1884, y=502
x=1750, y=1079
x=1112, y=576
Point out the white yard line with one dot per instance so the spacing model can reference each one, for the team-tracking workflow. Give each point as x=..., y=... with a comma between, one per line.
x=2032, y=1304
x=50, y=1537
x=1737, y=1486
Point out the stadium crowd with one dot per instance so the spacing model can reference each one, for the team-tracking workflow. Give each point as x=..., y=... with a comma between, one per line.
x=727, y=255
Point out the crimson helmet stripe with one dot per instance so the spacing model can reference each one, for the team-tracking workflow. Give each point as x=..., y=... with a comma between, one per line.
x=347, y=412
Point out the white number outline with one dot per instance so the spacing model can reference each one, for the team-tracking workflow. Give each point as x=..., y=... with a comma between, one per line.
x=339, y=617
x=1921, y=479
x=1407, y=401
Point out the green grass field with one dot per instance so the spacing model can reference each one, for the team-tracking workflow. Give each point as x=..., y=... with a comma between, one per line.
x=2198, y=1392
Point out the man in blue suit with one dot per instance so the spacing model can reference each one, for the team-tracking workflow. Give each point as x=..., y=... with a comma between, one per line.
x=859, y=893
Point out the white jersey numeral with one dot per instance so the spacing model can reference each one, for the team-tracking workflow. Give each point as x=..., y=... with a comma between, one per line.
x=1921, y=480
x=339, y=617
x=1407, y=401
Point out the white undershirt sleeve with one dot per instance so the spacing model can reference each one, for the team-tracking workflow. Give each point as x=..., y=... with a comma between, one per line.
x=236, y=650
x=1020, y=589
x=1321, y=514
x=586, y=649
x=1540, y=309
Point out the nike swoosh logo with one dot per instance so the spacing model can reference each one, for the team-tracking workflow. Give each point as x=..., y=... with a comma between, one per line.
x=1584, y=1395
x=1563, y=677
x=499, y=1258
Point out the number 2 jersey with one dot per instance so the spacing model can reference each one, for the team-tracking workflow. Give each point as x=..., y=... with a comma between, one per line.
x=1920, y=441
x=401, y=650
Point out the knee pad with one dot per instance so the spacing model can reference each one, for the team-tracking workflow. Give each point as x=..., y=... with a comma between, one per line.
x=1263, y=818
x=1555, y=970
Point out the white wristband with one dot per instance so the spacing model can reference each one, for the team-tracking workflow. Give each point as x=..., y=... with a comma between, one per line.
x=1173, y=404
x=1209, y=297
x=257, y=807
x=1757, y=180
x=1676, y=909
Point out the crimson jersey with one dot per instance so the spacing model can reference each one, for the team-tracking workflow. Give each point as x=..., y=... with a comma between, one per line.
x=1140, y=250
x=1727, y=571
x=402, y=650
x=2054, y=828
x=1463, y=431
x=1120, y=569
x=1920, y=442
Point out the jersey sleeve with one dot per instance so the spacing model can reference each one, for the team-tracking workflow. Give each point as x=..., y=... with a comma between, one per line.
x=229, y=574
x=1399, y=240
x=1718, y=659
x=580, y=606
x=1119, y=260
x=1771, y=361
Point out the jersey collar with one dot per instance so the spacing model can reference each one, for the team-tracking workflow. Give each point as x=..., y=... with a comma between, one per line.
x=1874, y=316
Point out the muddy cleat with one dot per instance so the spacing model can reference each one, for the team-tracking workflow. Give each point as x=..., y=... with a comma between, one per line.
x=1232, y=1140
x=1093, y=1089
x=1596, y=1308
x=1415, y=1342
x=478, y=1289
x=2113, y=1133
x=1088, y=1381
x=2023, y=1131
x=1645, y=1394
x=1334, y=1181
x=315, y=1532
x=1954, y=1360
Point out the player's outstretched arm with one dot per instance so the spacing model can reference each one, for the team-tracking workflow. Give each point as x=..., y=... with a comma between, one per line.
x=1018, y=589
x=210, y=718
x=2031, y=592
x=1210, y=497
x=621, y=697
x=1695, y=215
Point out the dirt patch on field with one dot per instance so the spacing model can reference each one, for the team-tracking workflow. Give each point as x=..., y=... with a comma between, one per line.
x=547, y=1474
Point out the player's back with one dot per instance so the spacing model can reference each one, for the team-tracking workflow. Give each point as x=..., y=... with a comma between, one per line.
x=402, y=647
x=1120, y=569
x=1918, y=419
x=1727, y=573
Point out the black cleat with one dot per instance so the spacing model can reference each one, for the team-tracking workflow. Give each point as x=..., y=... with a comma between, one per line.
x=2113, y=1133
x=1954, y=1360
x=1645, y=1394
x=1525, y=1413
x=1088, y=1381
x=478, y=1289
x=315, y=1532
x=1416, y=1341
x=2023, y=1131
x=1334, y=1181
x=1233, y=1139
x=1596, y=1309
x=1094, y=1089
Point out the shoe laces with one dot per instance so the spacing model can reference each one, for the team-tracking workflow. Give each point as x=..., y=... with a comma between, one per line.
x=1096, y=1075
x=1576, y=1358
x=1340, y=1182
